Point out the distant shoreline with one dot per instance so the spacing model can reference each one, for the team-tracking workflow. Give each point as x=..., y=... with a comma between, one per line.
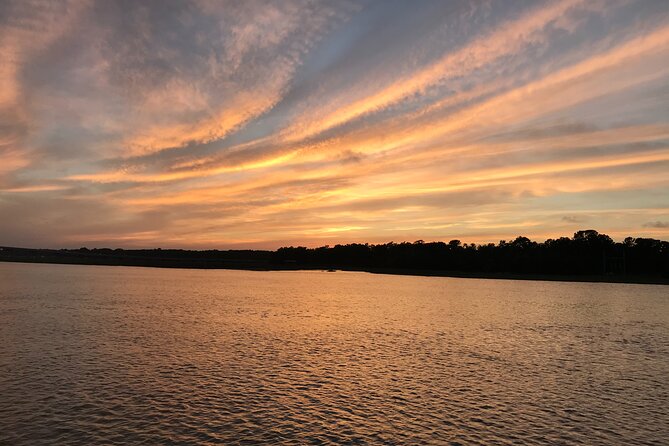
x=157, y=263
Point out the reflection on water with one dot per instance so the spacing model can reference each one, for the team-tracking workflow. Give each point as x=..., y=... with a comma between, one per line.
x=112, y=354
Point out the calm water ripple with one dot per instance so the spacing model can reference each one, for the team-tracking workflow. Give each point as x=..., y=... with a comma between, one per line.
x=115, y=355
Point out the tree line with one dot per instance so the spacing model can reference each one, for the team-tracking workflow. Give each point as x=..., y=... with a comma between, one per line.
x=587, y=252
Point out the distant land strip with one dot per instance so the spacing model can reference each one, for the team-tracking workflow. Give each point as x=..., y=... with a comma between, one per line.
x=587, y=256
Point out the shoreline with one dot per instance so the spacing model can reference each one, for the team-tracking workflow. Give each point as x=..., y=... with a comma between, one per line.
x=160, y=263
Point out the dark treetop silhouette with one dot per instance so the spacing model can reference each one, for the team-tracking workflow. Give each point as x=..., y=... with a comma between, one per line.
x=588, y=255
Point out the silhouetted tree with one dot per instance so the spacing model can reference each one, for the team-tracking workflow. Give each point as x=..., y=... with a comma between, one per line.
x=587, y=252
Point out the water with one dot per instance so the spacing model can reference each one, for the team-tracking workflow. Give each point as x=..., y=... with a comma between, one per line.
x=106, y=355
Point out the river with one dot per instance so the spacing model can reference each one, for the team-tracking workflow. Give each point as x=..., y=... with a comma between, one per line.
x=122, y=355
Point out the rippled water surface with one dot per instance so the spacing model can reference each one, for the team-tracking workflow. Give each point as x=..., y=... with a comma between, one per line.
x=105, y=355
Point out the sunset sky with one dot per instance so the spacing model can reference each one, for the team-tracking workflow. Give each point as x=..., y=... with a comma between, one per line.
x=213, y=124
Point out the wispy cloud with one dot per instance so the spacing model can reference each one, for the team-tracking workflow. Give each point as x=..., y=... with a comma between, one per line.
x=657, y=224
x=574, y=219
x=508, y=39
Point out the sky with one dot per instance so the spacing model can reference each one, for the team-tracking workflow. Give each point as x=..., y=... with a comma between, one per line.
x=259, y=124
